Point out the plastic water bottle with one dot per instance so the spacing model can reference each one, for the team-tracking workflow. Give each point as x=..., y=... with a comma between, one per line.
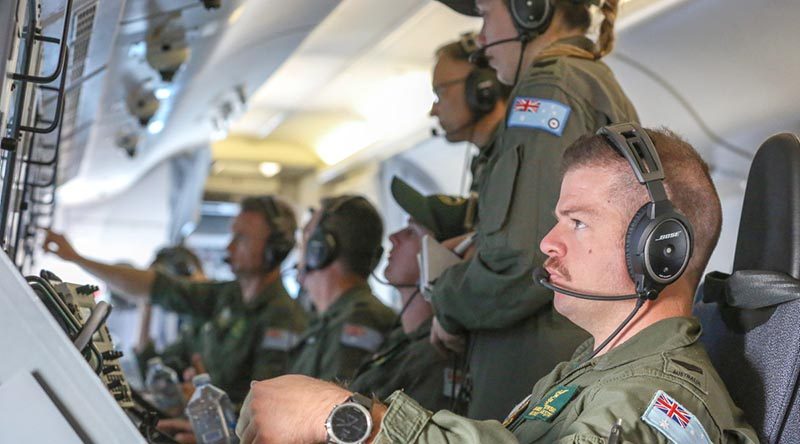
x=211, y=413
x=162, y=383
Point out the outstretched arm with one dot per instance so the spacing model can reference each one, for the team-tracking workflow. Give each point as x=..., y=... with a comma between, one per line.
x=128, y=280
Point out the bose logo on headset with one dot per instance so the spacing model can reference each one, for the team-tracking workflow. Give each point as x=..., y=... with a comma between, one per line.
x=668, y=236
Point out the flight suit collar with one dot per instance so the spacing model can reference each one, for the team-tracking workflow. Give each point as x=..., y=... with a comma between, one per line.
x=665, y=335
x=266, y=295
x=581, y=41
x=344, y=301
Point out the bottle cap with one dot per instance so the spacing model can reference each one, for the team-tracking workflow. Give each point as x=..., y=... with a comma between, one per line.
x=201, y=379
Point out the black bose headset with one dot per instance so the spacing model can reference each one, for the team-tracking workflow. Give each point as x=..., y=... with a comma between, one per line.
x=658, y=242
x=482, y=88
x=322, y=247
x=280, y=242
x=532, y=17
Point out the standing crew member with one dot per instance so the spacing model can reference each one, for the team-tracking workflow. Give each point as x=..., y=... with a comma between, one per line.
x=470, y=100
x=562, y=90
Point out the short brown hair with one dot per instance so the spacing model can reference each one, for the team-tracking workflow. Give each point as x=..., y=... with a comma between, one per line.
x=358, y=229
x=686, y=180
x=280, y=219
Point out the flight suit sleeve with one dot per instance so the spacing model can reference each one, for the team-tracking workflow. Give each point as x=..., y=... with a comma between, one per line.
x=407, y=422
x=494, y=289
x=197, y=299
x=281, y=334
x=633, y=398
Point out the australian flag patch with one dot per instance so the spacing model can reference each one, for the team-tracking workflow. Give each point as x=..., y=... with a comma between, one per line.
x=674, y=421
x=546, y=115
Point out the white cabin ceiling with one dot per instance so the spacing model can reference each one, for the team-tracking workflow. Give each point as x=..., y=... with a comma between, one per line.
x=359, y=70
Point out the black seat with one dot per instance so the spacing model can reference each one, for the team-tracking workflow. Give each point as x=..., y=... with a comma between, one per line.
x=751, y=318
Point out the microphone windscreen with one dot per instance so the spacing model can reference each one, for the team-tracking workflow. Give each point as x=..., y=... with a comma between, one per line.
x=478, y=58
x=540, y=274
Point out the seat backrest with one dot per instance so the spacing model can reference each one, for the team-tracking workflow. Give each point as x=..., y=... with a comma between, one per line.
x=751, y=319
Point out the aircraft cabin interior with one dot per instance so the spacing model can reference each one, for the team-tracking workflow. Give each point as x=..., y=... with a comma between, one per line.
x=133, y=127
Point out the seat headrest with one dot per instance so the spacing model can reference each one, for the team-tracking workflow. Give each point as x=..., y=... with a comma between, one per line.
x=769, y=230
x=748, y=289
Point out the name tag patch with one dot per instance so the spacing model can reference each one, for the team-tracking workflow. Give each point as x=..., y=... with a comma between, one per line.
x=552, y=404
x=674, y=421
x=279, y=339
x=531, y=112
x=361, y=336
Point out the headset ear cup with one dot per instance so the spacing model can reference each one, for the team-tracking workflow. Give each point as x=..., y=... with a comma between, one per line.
x=531, y=16
x=482, y=90
x=269, y=256
x=632, y=256
x=321, y=250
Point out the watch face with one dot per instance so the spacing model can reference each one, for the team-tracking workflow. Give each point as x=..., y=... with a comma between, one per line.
x=349, y=423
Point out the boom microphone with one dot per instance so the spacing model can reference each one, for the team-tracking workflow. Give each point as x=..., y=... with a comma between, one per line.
x=478, y=57
x=542, y=277
x=389, y=284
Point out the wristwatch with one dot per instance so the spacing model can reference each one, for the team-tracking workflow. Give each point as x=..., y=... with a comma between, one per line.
x=350, y=422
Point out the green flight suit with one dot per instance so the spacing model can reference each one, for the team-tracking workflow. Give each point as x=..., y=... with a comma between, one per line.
x=478, y=164
x=238, y=342
x=337, y=341
x=492, y=295
x=579, y=401
x=410, y=363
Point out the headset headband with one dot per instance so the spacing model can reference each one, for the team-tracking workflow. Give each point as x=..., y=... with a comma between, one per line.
x=633, y=143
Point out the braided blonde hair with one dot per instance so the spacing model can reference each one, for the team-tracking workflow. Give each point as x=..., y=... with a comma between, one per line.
x=605, y=42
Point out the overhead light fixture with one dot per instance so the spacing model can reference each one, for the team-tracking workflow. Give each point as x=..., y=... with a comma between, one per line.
x=163, y=93
x=155, y=127
x=236, y=15
x=269, y=169
x=344, y=141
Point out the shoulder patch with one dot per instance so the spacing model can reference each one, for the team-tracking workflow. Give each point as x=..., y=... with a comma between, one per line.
x=542, y=114
x=279, y=339
x=552, y=404
x=674, y=421
x=687, y=371
x=361, y=336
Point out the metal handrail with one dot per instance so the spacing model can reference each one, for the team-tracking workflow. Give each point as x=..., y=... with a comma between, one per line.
x=59, y=107
x=52, y=200
x=61, y=54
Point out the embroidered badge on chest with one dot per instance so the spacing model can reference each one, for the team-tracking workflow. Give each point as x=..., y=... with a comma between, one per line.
x=674, y=421
x=224, y=317
x=542, y=114
x=238, y=328
x=552, y=404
